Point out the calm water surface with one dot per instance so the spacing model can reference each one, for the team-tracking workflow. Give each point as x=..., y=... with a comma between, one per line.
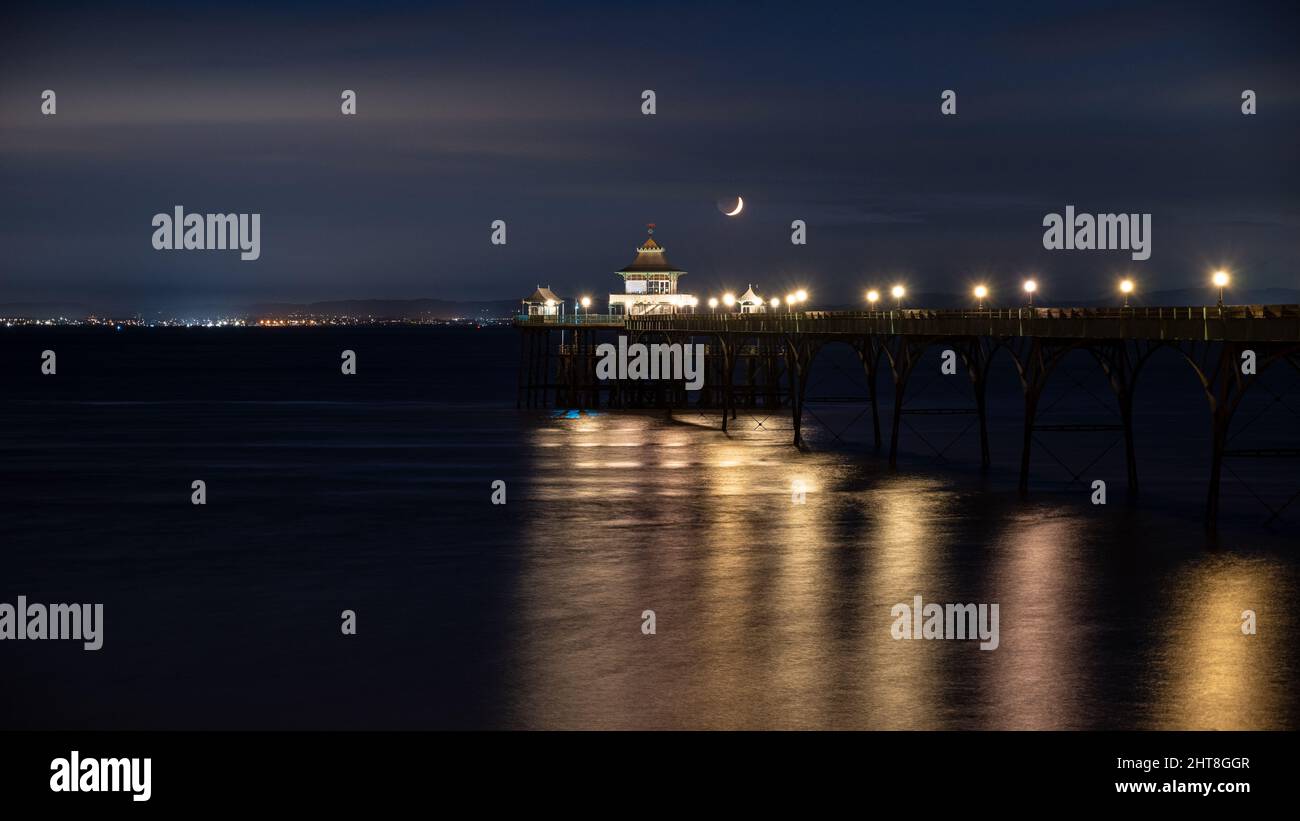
x=326, y=496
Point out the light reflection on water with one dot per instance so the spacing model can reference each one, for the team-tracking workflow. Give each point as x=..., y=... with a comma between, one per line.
x=1208, y=675
x=773, y=614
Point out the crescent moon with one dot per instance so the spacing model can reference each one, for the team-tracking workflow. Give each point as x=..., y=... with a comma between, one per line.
x=740, y=206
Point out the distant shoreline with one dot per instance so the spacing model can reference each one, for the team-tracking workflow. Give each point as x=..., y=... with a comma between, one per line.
x=113, y=325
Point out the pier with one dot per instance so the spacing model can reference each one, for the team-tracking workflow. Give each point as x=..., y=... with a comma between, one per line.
x=763, y=360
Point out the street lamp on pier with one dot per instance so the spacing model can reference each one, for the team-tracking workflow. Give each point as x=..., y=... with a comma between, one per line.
x=1221, y=280
x=1030, y=287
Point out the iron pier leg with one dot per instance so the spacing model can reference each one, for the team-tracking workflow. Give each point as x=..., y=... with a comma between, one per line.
x=1031, y=410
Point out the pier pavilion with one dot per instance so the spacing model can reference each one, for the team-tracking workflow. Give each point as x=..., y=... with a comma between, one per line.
x=542, y=302
x=650, y=283
x=751, y=303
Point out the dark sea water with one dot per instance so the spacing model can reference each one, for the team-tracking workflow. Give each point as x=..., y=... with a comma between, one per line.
x=372, y=493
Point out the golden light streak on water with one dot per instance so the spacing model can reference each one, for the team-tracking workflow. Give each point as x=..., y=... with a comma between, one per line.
x=775, y=614
x=1038, y=680
x=903, y=559
x=1209, y=675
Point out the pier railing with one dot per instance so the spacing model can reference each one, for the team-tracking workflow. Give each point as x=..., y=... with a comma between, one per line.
x=571, y=320
x=1235, y=322
x=1230, y=323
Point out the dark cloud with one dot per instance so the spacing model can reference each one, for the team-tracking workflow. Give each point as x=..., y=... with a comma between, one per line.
x=529, y=113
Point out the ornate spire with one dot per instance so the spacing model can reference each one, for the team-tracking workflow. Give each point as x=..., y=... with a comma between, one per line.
x=650, y=257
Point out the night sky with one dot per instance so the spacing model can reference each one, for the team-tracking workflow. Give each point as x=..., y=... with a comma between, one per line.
x=531, y=114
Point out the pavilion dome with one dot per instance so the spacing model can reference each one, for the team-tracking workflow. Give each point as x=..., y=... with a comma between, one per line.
x=650, y=258
x=542, y=296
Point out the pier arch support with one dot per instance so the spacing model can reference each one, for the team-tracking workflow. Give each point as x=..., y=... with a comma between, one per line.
x=1218, y=368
